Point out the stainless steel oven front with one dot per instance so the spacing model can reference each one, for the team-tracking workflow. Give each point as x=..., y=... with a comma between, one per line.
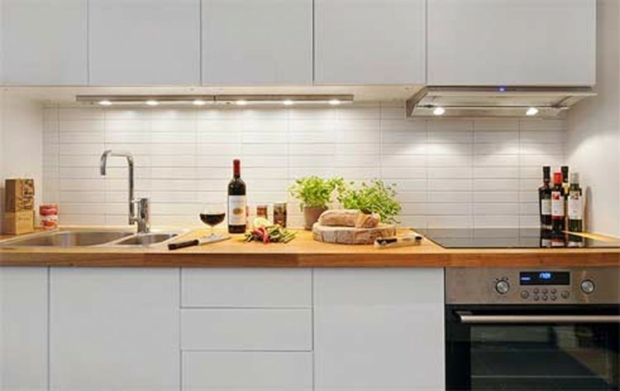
x=533, y=329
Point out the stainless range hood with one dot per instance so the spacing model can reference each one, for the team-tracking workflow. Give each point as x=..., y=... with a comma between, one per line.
x=475, y=102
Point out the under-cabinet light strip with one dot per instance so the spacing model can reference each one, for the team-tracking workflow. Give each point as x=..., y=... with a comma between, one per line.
x=201, y=100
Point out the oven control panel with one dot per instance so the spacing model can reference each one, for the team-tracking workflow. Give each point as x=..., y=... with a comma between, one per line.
x=533, y=286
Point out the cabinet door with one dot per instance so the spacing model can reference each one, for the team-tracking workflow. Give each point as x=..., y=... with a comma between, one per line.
x=259, y=42
x=114, y=329
x=511, y=42
x=23, y=329
x=45, y=42
x=369, y=41
x=143, y=42
x=379, y=329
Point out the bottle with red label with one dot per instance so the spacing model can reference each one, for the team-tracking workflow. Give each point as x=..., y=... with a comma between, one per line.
x=558, y=237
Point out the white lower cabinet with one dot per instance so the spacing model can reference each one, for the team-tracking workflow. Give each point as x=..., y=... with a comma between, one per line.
x=114, y=329
x=379, y=329
x=247, y=371
x=23, y=329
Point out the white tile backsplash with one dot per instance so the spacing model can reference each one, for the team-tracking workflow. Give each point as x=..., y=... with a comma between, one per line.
x=448, y=172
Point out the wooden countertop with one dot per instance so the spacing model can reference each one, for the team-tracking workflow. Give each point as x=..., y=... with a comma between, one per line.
x=303, y=252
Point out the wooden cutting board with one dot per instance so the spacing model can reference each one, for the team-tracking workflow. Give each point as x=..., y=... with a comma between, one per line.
x=350, y=235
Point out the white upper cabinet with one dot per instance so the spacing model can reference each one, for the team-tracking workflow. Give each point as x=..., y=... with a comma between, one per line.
x=511, y=42
x=259, y=42
x=144, y=42
x=45, y=42
x=369, y=42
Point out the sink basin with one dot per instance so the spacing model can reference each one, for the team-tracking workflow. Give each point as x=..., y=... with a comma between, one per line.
x=146, y=239
x=76, y=238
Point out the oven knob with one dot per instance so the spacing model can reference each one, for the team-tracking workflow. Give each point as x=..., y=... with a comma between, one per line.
x=544, y=291
x=536, y=291
x=545, y=298
x=587, y=286
x=502, y=287
x=554, y=291
x=554, y=298
x=565, y=294
x=525, y=294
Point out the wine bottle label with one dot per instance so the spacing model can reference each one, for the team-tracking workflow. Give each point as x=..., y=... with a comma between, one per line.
x=236, y=210
x=575, y=206
x=545, y=207
x=557, y=204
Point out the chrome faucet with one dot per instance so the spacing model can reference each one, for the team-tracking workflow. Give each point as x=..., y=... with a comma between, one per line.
x=143, y=217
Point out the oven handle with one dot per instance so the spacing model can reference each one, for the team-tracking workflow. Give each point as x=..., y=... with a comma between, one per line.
x=468, y=317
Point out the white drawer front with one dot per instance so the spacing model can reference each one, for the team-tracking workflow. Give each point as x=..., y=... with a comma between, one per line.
x=247, y=371
x=247, y=288
x=246, y=329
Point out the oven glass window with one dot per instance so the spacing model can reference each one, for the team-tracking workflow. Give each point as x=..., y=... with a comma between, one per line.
x=544, y=357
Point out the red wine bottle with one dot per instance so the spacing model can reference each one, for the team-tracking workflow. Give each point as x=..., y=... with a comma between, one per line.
x=575, y=211
x=544, y=199
x=237, y=204
x=557, y=212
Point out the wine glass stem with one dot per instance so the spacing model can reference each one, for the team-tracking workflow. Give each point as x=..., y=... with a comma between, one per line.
x=212, y=230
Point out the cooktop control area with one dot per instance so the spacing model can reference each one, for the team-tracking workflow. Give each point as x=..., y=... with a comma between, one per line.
x=533, y=286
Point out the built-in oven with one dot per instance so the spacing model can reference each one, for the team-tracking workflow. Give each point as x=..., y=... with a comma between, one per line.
x=533, y=329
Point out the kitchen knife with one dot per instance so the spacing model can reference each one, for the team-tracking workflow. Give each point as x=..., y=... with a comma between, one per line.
x=197, y=242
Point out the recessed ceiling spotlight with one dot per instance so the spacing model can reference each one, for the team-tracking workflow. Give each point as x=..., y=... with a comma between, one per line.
x=241, y=102
x=334, y=102
x=152, y=102
x=532, y=111
x=288, y=102
x=105, y=103
x=199, y=102
x=439, y=111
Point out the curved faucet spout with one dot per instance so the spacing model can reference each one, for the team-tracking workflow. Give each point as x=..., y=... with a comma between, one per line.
x=103, y=167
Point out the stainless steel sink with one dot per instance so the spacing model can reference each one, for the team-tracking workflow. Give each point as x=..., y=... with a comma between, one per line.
x=146, y=239
x=77, y=237
x=67, y=239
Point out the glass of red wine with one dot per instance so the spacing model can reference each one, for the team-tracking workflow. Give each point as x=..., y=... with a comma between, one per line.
x=212, y=215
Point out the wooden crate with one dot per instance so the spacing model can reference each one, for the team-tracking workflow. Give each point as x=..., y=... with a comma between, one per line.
x=19, y=195
x=17, y=223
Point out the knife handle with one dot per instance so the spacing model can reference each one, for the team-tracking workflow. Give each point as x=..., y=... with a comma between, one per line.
x=189, y=243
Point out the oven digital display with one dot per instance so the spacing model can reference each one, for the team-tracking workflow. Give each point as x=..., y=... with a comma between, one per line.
x=544, y=278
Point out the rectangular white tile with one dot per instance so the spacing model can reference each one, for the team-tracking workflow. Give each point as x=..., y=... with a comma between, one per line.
x=496, y=196
x=495, y=184
x=493, y=209
x=450, y=184
x=496, y=161
x=496, y=172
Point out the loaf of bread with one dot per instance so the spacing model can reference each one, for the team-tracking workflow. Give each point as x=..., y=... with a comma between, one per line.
x=348, y=218
x=367, y=220
x=339, y=217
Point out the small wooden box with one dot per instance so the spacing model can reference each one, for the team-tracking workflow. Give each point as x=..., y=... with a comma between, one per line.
x=19, y=195
x=18, y=223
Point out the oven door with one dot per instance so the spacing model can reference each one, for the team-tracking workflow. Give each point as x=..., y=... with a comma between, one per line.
x=532, y=347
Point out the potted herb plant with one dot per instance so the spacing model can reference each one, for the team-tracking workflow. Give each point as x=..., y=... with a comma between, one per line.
x=375, y=197
x=314, y=193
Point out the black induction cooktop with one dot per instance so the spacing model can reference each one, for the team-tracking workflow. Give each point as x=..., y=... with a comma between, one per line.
x=506, y=238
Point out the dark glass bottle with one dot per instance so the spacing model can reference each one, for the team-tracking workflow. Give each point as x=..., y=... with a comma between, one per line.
x=544, y=199
x=575, y=211
x=237, y=204
x=557, y=212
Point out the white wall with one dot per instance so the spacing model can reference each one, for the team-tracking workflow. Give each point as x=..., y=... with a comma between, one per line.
x=21, y=142
x=449, y=173
x=594, y=129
